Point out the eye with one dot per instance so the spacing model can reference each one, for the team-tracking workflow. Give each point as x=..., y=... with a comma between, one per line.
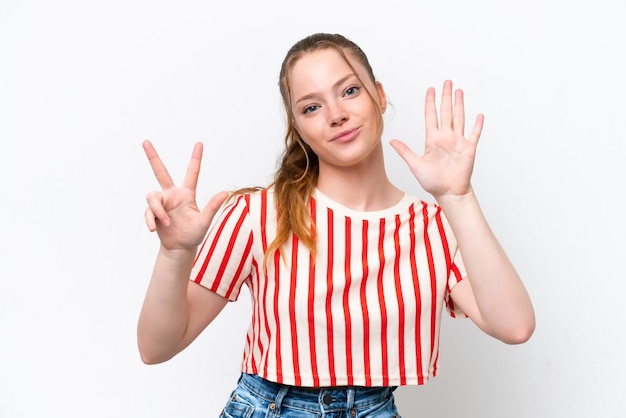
x=351, y=91
x=310, y=109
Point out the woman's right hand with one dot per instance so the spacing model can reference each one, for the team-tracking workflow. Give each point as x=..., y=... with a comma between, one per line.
x=173, y=212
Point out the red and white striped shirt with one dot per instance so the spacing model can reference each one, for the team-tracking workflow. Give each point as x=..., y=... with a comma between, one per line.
x=367, y=312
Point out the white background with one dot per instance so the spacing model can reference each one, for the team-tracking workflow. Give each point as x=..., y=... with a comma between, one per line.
x=82, y=83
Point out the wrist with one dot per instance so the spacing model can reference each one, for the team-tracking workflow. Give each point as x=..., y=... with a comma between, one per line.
x=453, y=201
x=178, y=254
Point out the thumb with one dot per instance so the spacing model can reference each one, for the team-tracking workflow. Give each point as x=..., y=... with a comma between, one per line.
x=405, y=152
x=213, y=206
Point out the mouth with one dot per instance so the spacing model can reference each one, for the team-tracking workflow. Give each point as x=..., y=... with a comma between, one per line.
x=345, y=136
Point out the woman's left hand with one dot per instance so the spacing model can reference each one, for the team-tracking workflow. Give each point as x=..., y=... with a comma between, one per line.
x=446, y=167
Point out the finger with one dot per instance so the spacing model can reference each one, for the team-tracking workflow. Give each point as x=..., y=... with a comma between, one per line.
x=430, y=111
x=446, y=105
x=150, y=220
x=193, y=170
x=405, y=152
x=459, y=112
x=158, y=168
x=213, y=206
x=477, y=129
x=155, y=203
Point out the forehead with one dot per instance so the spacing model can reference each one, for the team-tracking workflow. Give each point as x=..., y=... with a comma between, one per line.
x=319, y=70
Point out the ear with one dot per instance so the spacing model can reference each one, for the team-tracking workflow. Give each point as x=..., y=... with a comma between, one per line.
x=382, y=97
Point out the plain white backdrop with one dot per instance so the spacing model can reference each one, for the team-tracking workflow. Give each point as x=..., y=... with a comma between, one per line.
x=83, y=83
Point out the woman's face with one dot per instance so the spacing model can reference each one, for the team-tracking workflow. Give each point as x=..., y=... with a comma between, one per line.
x=332, y=110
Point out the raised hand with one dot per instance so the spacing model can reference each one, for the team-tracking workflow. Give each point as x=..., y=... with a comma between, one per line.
x=446, y=167
x=173, y=212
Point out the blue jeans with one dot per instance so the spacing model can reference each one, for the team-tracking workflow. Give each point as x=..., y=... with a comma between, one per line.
x=255, y=397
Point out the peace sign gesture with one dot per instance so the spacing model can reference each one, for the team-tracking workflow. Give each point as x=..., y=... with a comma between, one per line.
x=173, y=212
x=446, y=167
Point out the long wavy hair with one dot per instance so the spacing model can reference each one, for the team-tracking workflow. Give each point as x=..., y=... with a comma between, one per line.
x=298, y=171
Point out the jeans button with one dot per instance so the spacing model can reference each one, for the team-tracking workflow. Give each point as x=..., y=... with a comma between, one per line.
x=326, y=399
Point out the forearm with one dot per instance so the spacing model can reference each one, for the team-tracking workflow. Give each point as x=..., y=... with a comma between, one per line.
x=165, y=312
x=505, y=309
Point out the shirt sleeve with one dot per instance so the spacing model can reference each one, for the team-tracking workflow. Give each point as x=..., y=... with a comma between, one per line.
x=224, y=260
x=455, y=275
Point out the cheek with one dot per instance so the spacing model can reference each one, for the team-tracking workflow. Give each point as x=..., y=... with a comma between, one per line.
x=308, y=131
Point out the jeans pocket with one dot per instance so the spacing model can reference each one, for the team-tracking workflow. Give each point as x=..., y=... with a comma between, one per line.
x=237, y=408
x=384, y=409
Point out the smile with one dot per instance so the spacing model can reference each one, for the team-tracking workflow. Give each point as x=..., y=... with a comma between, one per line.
x=346, y=136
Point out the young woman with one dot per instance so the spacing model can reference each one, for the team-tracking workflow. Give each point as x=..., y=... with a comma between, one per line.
x=348, y=275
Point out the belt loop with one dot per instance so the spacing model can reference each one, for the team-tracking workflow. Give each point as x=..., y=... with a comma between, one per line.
x=350, y=397
x=275, y=406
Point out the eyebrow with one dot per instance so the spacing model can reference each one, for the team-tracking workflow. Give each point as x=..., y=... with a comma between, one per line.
x=311, y=95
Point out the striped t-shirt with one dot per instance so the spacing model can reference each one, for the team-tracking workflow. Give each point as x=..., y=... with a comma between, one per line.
x=366, y=312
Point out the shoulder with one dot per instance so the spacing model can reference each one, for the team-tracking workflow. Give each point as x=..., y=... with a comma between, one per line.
x=254, y=201
x=246, y=194
x=428, y=208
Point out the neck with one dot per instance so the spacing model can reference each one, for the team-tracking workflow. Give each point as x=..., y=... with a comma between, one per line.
x=363, y=187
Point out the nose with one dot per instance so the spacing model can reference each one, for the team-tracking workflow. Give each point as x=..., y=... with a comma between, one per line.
x=339, y=120
x=337, y=115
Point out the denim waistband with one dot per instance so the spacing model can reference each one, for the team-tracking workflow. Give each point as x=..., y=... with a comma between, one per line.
x=327, y=397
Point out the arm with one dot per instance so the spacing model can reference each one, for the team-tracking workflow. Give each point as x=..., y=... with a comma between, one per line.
x=493, y=295
x=175, y=310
